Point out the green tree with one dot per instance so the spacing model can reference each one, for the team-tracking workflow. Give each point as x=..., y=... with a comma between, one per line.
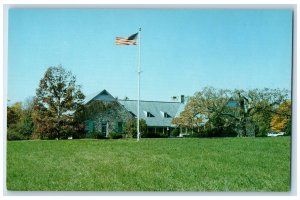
x=225, y=111
x=209, y=107
x=14, y=114
x=92, y=109
x=19, y=120
x=131, y=127
x=255, y=108
x=27, y=121
x=288, y=127
x=57, y=99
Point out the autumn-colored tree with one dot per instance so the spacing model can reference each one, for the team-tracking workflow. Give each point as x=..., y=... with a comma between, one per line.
x=57, y=99
x=188, y=118
x=282, y=117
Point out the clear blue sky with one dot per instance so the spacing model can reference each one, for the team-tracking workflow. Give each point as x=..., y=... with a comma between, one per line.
x=182, y=51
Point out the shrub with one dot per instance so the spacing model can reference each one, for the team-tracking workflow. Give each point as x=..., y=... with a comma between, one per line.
x=13, y=135
x=130, y=127
x=218, y=132
x=152, y=135
x=175, y=132
x=261, y=135
x=288, y=128
x=114, y=136
x=97, y=135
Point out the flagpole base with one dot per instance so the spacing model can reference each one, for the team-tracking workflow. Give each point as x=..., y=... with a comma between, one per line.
x=138, y=137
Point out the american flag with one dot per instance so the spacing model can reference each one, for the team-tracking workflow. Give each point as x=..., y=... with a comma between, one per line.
x=131, y=40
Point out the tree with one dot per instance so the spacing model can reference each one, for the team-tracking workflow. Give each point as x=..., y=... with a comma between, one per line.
x=255, y=108
x=282, y=117
x=209, y=107
x=225, y=111
x=26, y=124
x=19, y=120
x=14, y=114
x=57, y=99
x=92, y=109
x=190, y=117
x=131, y=127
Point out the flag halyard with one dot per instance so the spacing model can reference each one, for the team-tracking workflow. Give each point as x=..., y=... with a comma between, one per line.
x=131, y=40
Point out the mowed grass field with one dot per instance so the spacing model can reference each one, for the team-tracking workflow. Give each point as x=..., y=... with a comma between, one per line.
x=188, y=164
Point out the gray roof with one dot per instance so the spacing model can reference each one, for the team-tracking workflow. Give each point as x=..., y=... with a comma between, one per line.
x=102, y=96
x=157, y=110
x=161, y=112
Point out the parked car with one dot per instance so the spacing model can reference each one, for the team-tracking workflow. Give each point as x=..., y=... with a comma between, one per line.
x=275, y=134
x=281, y=133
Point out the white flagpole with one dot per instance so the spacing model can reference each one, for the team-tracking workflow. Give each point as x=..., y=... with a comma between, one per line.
x=139, y=73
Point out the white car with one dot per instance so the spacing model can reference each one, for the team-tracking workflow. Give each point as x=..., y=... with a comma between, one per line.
x=274, y=134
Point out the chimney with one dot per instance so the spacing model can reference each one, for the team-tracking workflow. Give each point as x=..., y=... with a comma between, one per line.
x=182, y=98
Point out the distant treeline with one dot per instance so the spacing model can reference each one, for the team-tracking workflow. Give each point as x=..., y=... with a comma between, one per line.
x=58, y=111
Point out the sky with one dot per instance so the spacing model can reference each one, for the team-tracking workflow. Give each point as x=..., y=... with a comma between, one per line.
x=182, y=50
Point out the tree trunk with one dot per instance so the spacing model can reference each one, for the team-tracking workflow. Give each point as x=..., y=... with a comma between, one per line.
x=242, y=115
x=244, y=128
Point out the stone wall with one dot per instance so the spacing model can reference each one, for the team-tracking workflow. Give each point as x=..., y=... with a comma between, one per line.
x=112, y=118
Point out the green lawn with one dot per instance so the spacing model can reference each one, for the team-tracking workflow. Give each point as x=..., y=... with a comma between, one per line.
x=227, y=164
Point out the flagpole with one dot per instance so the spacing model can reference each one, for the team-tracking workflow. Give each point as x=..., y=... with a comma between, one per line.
x=139, y=94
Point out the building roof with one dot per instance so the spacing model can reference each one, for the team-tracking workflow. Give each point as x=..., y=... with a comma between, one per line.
x=101, y=96
x=155, y=113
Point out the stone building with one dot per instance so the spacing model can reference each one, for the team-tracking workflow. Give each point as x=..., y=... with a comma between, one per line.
x=157, y=114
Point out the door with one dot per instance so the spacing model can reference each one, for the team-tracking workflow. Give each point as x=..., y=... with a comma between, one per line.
x=104, y=128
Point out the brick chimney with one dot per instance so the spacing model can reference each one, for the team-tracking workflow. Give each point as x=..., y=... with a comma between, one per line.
x=182, y=98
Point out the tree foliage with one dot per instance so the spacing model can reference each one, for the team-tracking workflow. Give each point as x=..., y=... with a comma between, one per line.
x=190, y=117
x=223, y=111
x=57, y=99
x=14, y=114
x=19, y=121
x=209, y=107
x=92, y=109
x=131, y=127
x=282, y=117
x=256, y=107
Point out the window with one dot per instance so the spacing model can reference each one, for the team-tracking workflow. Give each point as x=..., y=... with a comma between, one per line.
x=165, y=114
x=89, y=126
x=148, y=114
x=120, y=127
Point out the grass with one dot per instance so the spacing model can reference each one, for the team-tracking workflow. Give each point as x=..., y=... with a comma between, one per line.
x=228, y=164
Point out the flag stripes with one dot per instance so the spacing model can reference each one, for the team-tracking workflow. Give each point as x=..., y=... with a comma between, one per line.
x=124, y=41
x=131, y=40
